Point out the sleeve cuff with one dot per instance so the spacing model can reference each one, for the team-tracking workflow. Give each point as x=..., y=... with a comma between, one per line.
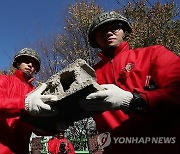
x=126, y=102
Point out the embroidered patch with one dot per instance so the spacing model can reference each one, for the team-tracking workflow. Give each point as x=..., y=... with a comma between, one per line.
x=124, y=74
x=129, y=67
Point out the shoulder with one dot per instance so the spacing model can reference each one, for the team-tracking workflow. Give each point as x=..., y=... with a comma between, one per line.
x=152, y=48
x=4, y=78
x=51, y=140
x=7, y=78
x=156, y=51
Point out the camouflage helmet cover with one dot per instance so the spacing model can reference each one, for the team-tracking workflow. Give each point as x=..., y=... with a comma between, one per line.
x=27, y=52
x=104, y=18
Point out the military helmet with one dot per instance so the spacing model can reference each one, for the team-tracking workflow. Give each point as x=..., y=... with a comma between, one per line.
x=105, y=18
x=27, y=52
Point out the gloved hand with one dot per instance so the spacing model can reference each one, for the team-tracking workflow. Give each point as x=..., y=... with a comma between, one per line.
x=34, y=103
x=111, y=98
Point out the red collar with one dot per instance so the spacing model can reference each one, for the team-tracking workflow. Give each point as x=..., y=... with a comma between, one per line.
x=20, y=75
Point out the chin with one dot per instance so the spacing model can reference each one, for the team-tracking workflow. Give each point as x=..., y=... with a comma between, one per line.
x=27, y=73
x=112, y=46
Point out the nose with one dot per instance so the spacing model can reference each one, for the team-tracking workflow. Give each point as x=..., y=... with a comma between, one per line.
x=106, y=30
x=109, y=33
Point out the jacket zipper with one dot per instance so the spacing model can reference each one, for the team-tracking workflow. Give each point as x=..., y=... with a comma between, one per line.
x=112, y=64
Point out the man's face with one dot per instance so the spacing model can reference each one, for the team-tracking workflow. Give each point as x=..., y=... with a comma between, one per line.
x=109, y=35
x=61, y=135
x=27, y=65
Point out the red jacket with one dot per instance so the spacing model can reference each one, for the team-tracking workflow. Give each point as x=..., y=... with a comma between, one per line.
x=14, y=134
x=54, y=145
x=130, y=70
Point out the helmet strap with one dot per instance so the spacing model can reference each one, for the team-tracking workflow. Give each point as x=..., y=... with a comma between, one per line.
x=126, y=34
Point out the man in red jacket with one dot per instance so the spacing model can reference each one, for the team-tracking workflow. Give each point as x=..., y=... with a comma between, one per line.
x=141, y=99
x=15, y=133
x=60, y=145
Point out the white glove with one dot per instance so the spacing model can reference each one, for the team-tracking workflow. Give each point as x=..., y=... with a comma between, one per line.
x=34, y=103
x=111, y=98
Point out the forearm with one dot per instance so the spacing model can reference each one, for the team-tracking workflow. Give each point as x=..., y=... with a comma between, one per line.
x=168, y=96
